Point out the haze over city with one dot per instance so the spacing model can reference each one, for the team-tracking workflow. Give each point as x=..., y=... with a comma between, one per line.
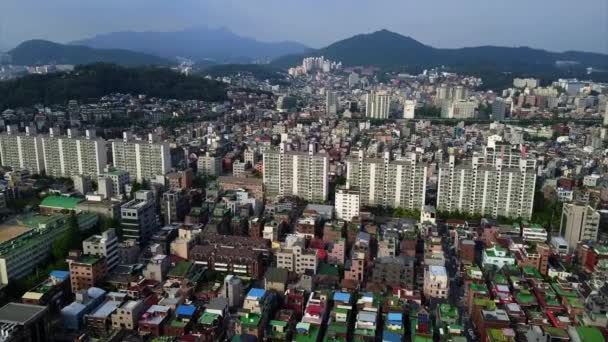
x=556, y=25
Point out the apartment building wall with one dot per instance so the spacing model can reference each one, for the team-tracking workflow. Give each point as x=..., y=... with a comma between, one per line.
x=296, y=173
x=388, y=183
x=487, y=187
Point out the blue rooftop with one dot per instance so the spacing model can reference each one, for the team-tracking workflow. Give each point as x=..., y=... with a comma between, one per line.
x=185, y=310
x=256, y=293
x=388, y=336
x=395, y=316
x=62, y=275
x=342, y=297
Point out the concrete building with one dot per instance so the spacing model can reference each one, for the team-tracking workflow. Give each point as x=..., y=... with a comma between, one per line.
x=384, y=182
x=72, y=155
x=138, y=217
x=459, y=109
x=142, y=159
x=347, y=204
x=27, y=244
x=436, y=283
x=112, y=184
x=157, y=268
x=497, y=256
x=409, y=108
x=209, y=165
x=331, y=103
x=499, y=109
x=394, y=270
x=174, y=206
x=86, y=270
x=303, y=174
x=127, y=315
x=298, y=259
x=233, y=290
x=104, y=245
x=579, y=222
x=493, y=184
x=180, y=180
x=377, y=105
x=22, y=150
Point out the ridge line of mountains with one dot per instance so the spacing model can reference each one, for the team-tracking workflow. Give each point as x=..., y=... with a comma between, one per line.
x=220, y=46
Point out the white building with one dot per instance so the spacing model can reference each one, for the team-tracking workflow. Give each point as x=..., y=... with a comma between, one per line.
x=209, y=165
x=142, y=159
x=347, y=204
x=436, y=284
x=138, y=216
x=302, y=174
x=105, y=245
x=21, y=150
x=377, y=105
x=384, y=182
x=501, y=182
x=298, y=259
x=497, y=256
x=409, y=108
x=579, y=222
x=72, y=155
x=459, y=109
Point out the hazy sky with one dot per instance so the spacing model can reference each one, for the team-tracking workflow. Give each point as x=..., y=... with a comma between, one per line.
x=550, y=24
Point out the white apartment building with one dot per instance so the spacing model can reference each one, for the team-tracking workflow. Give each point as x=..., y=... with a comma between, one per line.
x=142, y=159
x=436, y=282
x=347, y=204
x=104, y=245
x=21, y=150
x=459, y=109
x=493, y=184
x=209, y=165
x=579, y=222
x=384, y=182
x=72, y=155
x=293, y=256
x=303, y=174
x=409, y=108
x=377, y=105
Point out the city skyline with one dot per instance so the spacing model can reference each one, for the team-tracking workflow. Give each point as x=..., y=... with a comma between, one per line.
x=457, y=25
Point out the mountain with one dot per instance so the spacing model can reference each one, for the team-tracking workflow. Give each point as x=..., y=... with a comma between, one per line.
x=38, y=52
x=389, y=49
x=221, y=45
x=93, y=81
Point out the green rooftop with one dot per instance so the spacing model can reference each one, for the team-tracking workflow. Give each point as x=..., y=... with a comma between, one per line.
x=180, y=270
x=531, y=272
x=525, y=297
x=496, y=335
x=562, y=292
x=207, y=318
x=556, y=332
x=278, y=323
x=478, y=287
x=313, y=333
x=448, y=311
x=88, y=259
x=500, y=279
x=250, y=320
x=590, y=334
x=60, y=202
x=177, y=323
x=328, y=270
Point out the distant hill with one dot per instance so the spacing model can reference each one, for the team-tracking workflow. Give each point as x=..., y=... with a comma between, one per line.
x=93, y=81
x=39, y=52
x=388, y=49
x=220, y=45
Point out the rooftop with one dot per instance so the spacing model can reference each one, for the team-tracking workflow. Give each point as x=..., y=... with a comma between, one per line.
x=60, y=202
x=21, y=314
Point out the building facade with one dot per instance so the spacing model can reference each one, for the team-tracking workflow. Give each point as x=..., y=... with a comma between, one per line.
x=142, y=159
x=302, y=174
x=493, y=184
x=22, y=150
x=72, y=155
x=384, y=182
x=579, y=222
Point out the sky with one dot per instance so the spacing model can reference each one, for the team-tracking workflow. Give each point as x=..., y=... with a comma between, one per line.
x=555, y=25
